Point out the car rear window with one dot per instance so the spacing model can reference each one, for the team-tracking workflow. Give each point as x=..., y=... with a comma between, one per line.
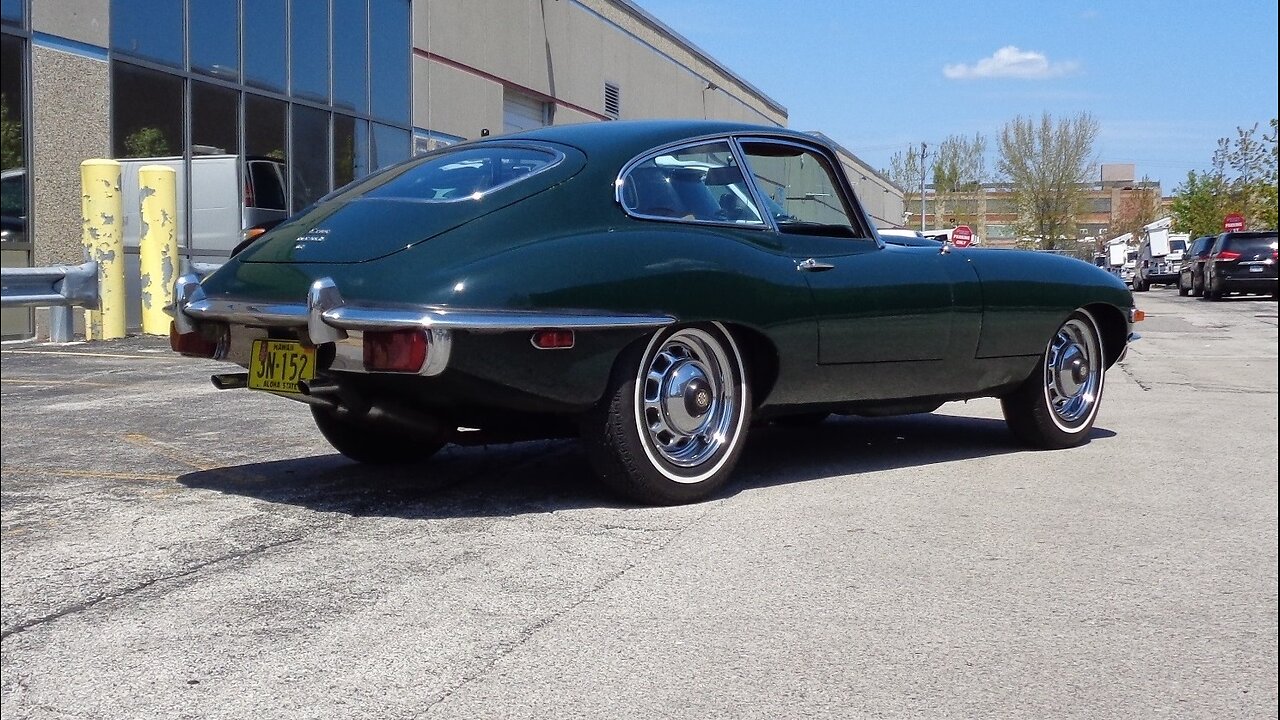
x=465, y=173
x=1251, y=242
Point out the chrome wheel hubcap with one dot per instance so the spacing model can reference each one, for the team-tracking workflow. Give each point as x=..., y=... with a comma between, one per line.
x=1072, y=372
x=687, y=400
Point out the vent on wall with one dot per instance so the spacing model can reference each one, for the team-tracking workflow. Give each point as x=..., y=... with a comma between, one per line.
x=612, y=100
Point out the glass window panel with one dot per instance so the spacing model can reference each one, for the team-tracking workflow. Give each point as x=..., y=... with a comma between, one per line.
x=692, y=183
x=350, y=56
x=389, y=50
x=264, y=44
x=150, y=29
x=390, y=146
x=11, y=11
x=350, y=149
x=264, y=142
x=310, y=49
x=146, y=118
x=310, y=170
x=215, y=120
x=214, y=38
x=800, y=189
x=13, y=102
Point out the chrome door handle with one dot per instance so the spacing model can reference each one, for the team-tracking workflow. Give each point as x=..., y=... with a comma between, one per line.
x=811, y=265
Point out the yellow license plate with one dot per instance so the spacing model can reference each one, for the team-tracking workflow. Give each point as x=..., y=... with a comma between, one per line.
x=278, y=365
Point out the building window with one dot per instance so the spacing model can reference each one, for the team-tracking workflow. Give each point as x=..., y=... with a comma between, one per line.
x=213, y=38
x=309, y=159
x=309, y=52
x=15, y=191
x=351, y=55
x=264, y=46
x=147, y=117
x=215, y=120
x=148, y=29
x=389, y=52
x=350, y=149
x=390, y=146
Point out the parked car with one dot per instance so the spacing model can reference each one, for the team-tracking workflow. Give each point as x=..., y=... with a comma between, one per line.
x=1191, y=269
x=1241, y=262
x=652, y=287
x=902, y=236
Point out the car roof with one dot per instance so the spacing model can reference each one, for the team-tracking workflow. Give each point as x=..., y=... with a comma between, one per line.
x=631, y=137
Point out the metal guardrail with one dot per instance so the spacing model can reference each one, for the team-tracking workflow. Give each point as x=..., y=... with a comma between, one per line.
x=59, y=288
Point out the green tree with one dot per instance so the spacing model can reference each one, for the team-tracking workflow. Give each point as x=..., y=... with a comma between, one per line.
x=146, y=142
x=959, y=169
x=10, y=137
x=1241, y=179
x=1048, y=163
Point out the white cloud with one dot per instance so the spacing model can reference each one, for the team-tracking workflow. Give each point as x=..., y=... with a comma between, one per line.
x=1011, y=62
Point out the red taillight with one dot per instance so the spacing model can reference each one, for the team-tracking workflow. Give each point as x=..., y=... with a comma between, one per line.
x=395, y=351
x=553, y=339
x=192, y=344
x=1226, y=255
x=248, y=191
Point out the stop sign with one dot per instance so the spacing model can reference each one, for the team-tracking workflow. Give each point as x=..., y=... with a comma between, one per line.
x=962, y=236
x=1233, y=222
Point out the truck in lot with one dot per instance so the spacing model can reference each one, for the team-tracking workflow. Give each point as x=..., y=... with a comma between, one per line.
x=1159, y=255
x=1122, y=257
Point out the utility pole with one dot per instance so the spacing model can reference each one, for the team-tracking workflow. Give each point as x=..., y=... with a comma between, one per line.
x=924, y=172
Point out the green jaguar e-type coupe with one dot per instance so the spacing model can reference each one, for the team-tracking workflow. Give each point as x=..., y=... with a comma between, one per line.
x=652, y=287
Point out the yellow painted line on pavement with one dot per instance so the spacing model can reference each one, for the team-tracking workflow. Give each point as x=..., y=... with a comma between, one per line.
x=88, y=474
x=174, y=453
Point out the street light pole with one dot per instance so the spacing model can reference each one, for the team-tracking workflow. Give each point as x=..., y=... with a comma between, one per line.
x=924, y=153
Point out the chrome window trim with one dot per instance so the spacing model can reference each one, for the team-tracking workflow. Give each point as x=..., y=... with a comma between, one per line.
x=671, y=147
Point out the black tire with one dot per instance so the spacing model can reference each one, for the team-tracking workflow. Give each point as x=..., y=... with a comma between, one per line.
x=1183, y=290
x=375, y=443
x=1139, y=286
x=1197, y=289
x=1211, y=292
x=663, y=448
x=1056, y=406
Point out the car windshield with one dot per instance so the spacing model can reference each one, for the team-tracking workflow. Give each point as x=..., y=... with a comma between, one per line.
x=454, y=175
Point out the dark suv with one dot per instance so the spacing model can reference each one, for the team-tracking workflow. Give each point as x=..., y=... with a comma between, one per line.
x=1241, y=262
x=1191, y=273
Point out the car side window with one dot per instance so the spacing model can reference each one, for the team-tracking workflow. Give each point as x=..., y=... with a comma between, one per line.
x=800, y=189
x=700, y=183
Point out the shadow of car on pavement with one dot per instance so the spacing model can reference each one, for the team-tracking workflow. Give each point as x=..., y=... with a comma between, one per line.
x=548, y=475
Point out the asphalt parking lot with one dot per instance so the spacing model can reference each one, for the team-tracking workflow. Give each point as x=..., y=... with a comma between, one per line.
x=172, y=551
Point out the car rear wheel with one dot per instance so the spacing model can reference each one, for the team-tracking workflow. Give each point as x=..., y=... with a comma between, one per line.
x=1056, y=406
x=1183, y=289
x=1211, y=292
x=375, y=443
x=672, y=424
x=1197, y=288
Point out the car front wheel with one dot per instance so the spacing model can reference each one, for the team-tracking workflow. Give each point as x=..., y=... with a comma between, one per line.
x=1056, y=406
x=673, y=422
x=375, y=444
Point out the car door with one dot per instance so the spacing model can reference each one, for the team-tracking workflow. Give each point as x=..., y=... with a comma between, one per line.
x=906, y=307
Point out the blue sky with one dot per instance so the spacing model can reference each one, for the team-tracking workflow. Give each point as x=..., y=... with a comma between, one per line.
x=1165, y=80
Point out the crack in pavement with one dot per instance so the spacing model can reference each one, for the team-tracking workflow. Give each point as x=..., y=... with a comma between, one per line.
x=528, y=632
x=74, y=608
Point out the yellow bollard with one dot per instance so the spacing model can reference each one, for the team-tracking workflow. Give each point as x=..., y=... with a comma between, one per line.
x=104, y=238
x=158, y=245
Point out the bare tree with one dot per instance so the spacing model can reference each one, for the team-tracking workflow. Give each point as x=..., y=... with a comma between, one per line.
x=959, y=169
x=1048, y=163
x=905, y=169
x=1138, y=208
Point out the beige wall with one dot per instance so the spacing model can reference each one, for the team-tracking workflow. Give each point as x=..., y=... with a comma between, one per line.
x=563, y=50
x=80, y=20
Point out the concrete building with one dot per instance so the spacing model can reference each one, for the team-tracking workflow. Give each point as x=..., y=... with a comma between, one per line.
x=1112, y=205
x=307, y=95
